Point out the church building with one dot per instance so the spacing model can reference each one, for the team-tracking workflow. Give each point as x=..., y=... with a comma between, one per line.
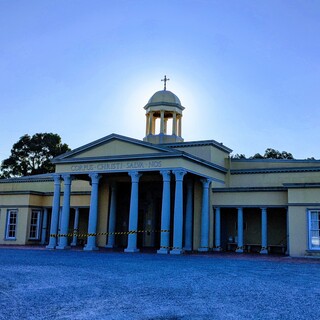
x=165, y=194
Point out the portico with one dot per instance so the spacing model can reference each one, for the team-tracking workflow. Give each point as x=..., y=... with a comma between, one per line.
x=163, y=218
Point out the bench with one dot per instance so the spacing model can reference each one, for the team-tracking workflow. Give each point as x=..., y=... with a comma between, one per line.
x=277, y=248
x=253, y=247
x=232, y=246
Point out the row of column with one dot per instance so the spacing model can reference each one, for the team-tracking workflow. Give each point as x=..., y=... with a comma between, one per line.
x=179, y=233
x=65, y=214
x=44, y=226
x=165, y=247
x=151, y=123
x=178, y=222
x=240, y=243
x=180, y=228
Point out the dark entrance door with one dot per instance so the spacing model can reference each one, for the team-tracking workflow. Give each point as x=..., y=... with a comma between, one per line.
x=149, y=215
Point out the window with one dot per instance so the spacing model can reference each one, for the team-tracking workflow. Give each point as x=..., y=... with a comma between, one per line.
x=11, y=224
x=35, y=225
x=314, y=229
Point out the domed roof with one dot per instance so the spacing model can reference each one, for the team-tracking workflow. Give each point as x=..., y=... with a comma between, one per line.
x=164, y=97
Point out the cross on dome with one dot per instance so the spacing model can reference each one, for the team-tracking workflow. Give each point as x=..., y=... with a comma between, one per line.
x=165, y=82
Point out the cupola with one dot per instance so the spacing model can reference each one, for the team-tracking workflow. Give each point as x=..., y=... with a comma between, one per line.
x=163, y=114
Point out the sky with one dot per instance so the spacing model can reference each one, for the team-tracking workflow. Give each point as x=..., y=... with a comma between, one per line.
x=246, y=71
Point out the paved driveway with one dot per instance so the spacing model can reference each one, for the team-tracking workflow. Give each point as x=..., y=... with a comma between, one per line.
x=41, y=284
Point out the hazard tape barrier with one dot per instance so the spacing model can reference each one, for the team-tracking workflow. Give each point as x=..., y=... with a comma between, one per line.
x=59, y=235
x=170, y=248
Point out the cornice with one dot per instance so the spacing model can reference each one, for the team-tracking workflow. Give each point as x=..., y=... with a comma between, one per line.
x=39, y=193
x=22, y=192
x=176, y=154
x=301, y=185
x=249, y=189
x=37, y=178
x=275, y=170
x=199, y=143
x=119, y=157
x=276, y=160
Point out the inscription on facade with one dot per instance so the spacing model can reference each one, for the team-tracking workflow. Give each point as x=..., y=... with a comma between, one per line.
x=107, y=166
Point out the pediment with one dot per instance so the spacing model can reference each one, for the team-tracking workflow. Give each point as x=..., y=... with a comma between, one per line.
x=111, y=146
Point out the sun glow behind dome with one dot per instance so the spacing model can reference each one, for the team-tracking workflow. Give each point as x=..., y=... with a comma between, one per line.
x=136, y=92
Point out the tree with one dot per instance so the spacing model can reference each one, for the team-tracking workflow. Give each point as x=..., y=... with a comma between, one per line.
x=275, y=154
x=257, y=156
x=33, y=155
x=268, y=154
x=238, y=156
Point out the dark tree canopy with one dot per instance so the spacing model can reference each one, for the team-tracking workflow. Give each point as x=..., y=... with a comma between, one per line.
x=268, y=154
x=238, y=156
x=275, y=154
x=257, y=156
x=33, y=155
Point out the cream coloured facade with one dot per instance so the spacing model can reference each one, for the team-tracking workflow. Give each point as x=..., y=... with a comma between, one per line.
x=165, y=194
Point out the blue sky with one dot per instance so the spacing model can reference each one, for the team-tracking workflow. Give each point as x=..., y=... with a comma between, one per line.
x=247, y=72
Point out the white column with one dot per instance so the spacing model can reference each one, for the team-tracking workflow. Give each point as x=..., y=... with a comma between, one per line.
x=44, y=226
x=288, y=233
x=205, y=223
x=240, y=231
x=75, y=228
x=165, y=213
x=59, y=226
x=93, y=213
x=217, y=233
x=178, y=213
x=133, y=215
x=55, y=212
x=112, y=217
x=264, y=232
x=162, y=121
x=147, y=124
x=63, y=240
